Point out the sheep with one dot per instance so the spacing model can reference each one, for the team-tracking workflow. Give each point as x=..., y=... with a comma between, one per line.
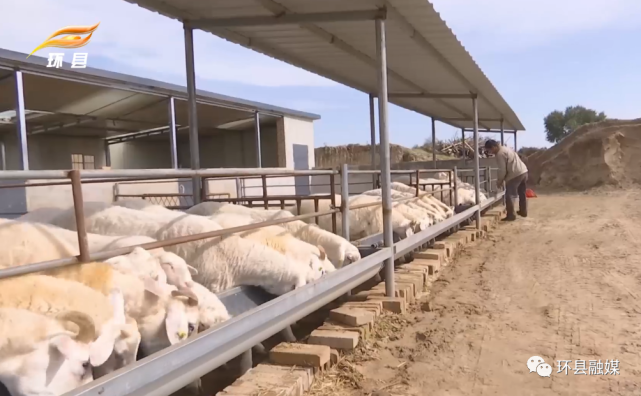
x=303, y=253
x=33, y=242
x=24, y=243
x=165, y=314
x=114, y=339
x=234, y=261
x=279, y=239
x=432, y=211
x=211, y=310
x=209, y=208
x=363, y=222
x=339, y=250
x=240, y=262
x=428, y=199
x=418, y=217
x=231, y=220
x=28, y=364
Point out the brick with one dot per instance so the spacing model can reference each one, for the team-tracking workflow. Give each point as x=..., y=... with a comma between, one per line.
x=417, y=279
x=460, y=238
x=377, y=308
x=431, y=254
x=470, y=234
x=391, y=304
x=363, y=331
x=420, y=272
x=448, y=247
x=413, y=268
x=406, y=293
x=360, y=296
x=335, y=339
x=407, y=287
x=433, y=266
x=351, y=316
x=306, y=374
x=299, y=355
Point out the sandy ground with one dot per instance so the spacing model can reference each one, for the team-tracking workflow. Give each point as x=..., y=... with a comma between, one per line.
x=563, y=284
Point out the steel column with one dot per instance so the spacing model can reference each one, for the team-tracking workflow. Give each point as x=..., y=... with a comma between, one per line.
x=477, y=178
x=173, y=149
x=516, y=148
x=79, y=211
x=388, y=239
x=3, y=152
x=434, y=142
x=345, y=207
x=455, y=186
x=502, y=134
x=21, y=122
x=463, y=144
x=372, y=131
x=107, y=153
x=259, y=160
x=194, y=150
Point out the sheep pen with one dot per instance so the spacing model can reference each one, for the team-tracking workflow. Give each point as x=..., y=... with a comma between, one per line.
x=280, y=254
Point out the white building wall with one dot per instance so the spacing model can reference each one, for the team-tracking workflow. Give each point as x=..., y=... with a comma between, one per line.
x=298, y=131
x=228, y=149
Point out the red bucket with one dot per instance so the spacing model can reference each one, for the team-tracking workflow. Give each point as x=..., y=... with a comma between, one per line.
x=529, y=193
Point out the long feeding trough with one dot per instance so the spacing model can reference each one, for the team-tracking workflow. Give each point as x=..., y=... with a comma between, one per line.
x=428, y=71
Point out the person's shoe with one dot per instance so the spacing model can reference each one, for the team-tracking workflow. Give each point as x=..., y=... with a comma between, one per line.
x=521, y=213
x=509, y=218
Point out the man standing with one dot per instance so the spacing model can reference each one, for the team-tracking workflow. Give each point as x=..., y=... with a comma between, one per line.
x=513, y=172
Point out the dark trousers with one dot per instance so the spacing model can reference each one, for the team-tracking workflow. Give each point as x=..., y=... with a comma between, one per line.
x=516, y=188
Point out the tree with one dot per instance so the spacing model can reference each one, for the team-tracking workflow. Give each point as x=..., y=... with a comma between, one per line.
x=560, y=124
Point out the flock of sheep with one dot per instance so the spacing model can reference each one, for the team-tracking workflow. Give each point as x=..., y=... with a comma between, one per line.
x=62, y=328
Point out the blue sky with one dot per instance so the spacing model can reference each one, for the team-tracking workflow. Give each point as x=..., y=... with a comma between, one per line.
x=541, y=55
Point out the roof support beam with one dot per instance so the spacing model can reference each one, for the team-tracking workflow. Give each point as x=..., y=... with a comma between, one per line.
x=422, y=41
x=432, y=95
x=142, y=134
x=469, y=119
x=287, y=19
x=489, y=131
x=278, y=9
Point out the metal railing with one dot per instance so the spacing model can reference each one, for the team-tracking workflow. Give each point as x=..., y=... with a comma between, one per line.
x=172, y=368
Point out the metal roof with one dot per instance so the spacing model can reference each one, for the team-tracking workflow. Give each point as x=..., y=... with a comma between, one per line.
x=424, y=56
x=117, y=90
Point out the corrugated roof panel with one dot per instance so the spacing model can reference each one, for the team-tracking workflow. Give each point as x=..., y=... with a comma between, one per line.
x=423, y=53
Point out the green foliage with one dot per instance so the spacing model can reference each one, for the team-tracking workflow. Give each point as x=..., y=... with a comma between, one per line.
x=560, y=124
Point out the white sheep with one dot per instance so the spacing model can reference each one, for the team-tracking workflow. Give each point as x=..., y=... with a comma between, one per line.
x=363, y=222
x=30, y=242
x=165, y=314
x=307, y=256
x=433, y=211
x=240, y=262
x=30, y=349
x=428, y=199
x=231, y=220
x=419, y=218
x=211, y=310
x=339, y=250
x=113, y=338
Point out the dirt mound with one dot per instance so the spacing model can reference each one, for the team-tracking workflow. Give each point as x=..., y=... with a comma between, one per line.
x=359, y=154
x=603, y=153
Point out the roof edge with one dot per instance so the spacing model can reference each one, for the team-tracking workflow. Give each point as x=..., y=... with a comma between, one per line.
x=94, y=76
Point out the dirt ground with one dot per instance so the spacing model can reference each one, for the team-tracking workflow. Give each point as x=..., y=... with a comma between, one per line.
x=562, y=284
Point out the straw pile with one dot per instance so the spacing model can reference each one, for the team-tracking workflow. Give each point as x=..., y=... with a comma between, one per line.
x=598, y=154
